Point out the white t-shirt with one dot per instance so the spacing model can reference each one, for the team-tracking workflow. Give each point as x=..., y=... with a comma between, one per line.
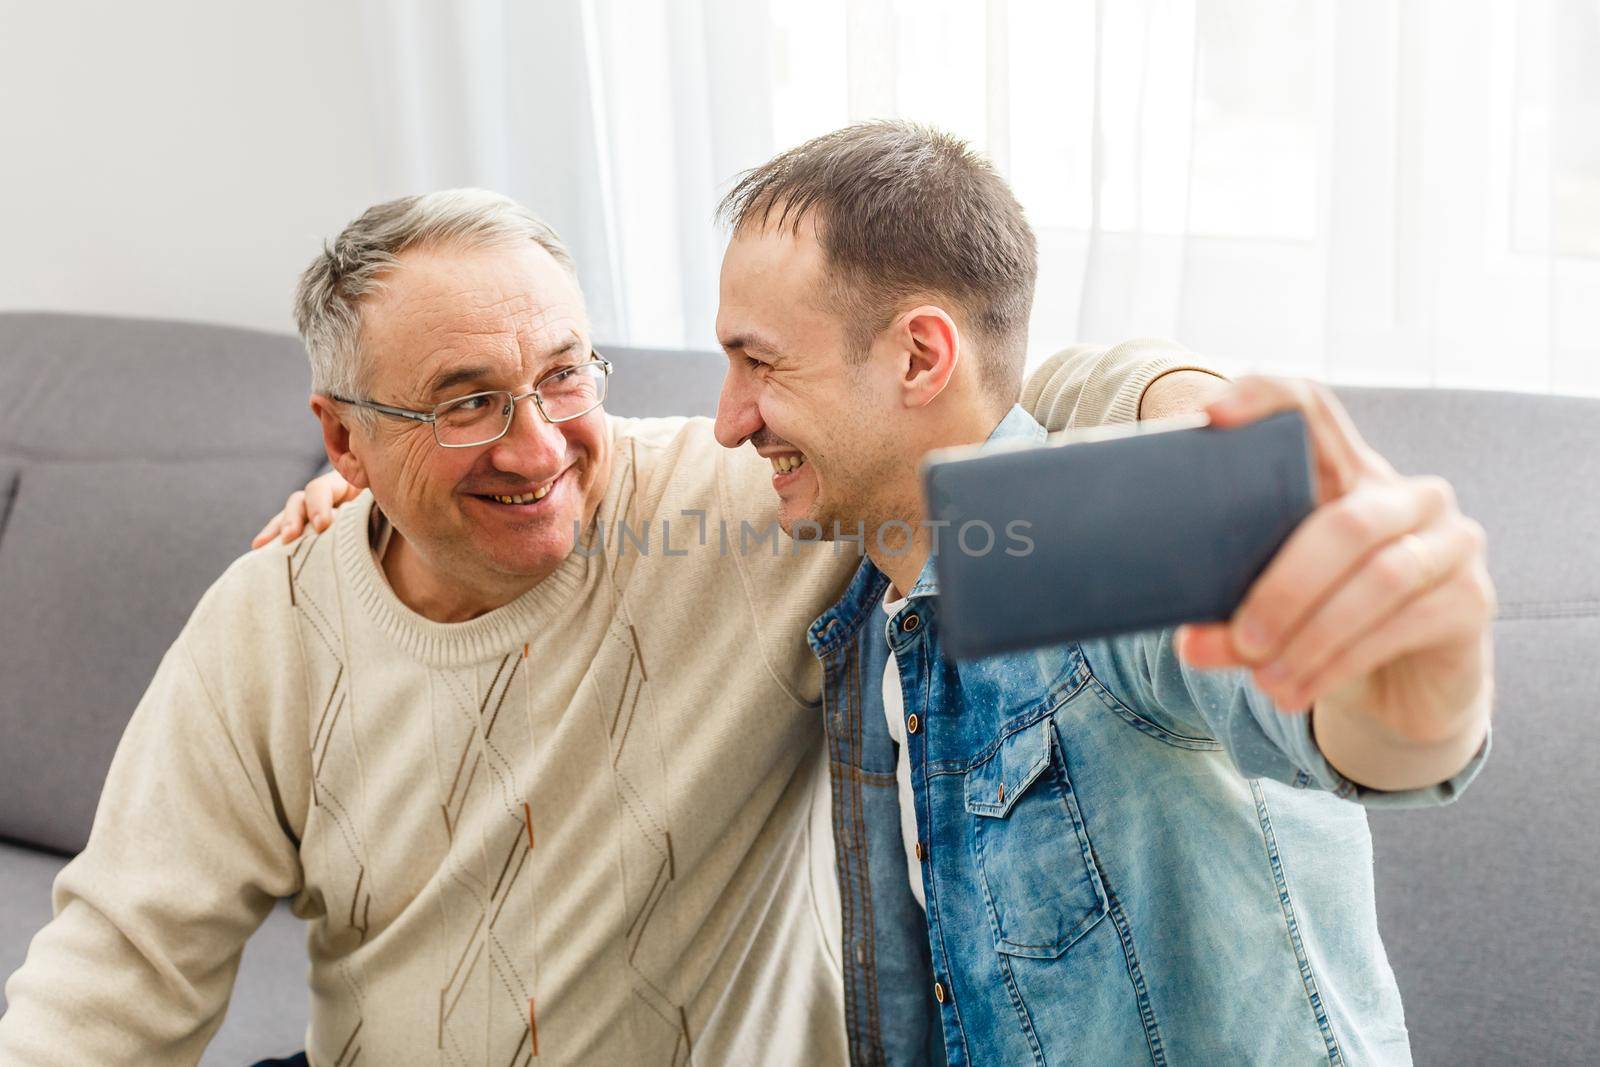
x=894, y=712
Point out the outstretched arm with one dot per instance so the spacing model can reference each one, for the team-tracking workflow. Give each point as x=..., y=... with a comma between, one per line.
x=1371, y=627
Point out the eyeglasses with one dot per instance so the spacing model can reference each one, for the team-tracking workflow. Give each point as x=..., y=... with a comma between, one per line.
x=483, y=418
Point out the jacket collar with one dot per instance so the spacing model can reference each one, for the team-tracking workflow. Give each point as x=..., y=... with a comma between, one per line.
x=841, y=622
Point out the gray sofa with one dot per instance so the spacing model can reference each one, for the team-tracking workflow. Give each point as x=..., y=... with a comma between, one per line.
x=138, y=457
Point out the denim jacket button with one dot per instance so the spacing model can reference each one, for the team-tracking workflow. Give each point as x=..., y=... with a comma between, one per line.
x=922, y=851
x=912, y=722
x=938, y=992
x=910, y=623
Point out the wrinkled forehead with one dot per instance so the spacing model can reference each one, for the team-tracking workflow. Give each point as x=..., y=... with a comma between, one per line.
x=510, y=310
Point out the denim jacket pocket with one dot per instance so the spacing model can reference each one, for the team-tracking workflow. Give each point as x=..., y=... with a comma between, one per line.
x=1044, y=890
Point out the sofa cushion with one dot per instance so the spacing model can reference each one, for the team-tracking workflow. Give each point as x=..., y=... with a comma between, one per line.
x=100, y=566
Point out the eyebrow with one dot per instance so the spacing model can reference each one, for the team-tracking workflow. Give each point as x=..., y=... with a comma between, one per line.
x=449, y=379
x=740, y=342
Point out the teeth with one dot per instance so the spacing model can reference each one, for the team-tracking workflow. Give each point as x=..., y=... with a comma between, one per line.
x=785, y=464
x=526, y=498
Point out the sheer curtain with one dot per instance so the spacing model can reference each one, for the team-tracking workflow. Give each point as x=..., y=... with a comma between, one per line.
x=1376, y=191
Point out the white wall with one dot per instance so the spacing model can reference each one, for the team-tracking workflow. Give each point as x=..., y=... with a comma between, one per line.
x=181, y=158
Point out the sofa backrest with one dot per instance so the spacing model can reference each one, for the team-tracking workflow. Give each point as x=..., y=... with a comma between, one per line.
x=138, y=458
x=1487, y=906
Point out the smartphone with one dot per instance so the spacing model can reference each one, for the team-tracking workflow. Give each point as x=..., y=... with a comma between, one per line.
x=1110, y=530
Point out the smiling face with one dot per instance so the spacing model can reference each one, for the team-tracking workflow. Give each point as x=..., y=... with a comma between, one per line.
x=797, y=392
x=480, y=525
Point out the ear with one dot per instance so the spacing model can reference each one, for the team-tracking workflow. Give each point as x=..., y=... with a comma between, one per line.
x=932, y=350
x=336, y=439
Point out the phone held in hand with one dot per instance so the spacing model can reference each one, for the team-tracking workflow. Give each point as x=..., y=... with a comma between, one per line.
x=1110, y=530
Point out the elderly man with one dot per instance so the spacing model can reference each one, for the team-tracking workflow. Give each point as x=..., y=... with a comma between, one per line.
x=533, y=798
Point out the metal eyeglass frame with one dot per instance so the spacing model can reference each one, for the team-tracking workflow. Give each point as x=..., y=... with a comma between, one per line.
x=432, y=417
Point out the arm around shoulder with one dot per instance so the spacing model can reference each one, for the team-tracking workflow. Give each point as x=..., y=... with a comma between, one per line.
x=1092, y=385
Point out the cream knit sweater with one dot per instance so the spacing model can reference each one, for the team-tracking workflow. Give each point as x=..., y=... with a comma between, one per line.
x=584, y=827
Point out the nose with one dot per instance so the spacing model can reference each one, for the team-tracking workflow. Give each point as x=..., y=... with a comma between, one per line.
x=738, y=416
x=532, y=447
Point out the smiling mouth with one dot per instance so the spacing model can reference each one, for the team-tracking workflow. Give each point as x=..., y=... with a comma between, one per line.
x=787, y=463
x=525, y=498
x=522, y=499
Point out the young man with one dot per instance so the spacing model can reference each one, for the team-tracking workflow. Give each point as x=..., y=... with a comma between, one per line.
x=1101, y=852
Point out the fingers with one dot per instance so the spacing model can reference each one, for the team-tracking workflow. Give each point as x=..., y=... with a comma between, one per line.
x=1323, y=554
x=325, y=493
x=1381, y=594
x=1447, y=622
x=319, y=503
x=315, y=504
x=1373, y=620
x=1340, y=456
x=268, y=532
x=294, y=516
x=1399, y=572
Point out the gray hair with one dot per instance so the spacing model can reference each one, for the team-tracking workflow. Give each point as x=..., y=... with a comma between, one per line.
x=327, y=302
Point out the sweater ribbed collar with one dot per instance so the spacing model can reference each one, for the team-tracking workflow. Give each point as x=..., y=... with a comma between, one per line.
x=457, y=644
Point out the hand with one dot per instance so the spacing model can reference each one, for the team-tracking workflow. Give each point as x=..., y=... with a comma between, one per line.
x=1376, y=610
x=315, y=503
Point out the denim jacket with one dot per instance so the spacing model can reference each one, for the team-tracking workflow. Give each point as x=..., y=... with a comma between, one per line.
x=1126, y=860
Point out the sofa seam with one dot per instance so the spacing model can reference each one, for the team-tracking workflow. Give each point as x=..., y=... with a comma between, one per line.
x=8, y=500
x=1549, y=609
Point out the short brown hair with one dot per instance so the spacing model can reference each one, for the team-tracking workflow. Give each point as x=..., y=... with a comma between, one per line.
x=904, y=210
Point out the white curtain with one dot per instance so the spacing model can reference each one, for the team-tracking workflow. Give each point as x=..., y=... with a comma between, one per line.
x=1375, y=191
